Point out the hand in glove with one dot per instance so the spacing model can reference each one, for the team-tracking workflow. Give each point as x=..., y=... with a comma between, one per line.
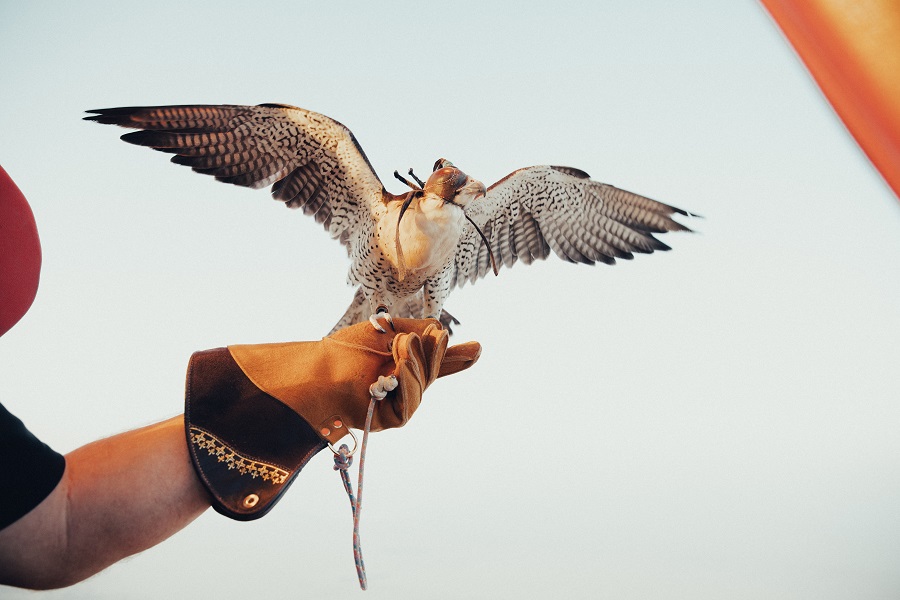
x=256, y=414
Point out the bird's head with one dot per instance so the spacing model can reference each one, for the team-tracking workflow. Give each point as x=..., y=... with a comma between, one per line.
x=452, y=185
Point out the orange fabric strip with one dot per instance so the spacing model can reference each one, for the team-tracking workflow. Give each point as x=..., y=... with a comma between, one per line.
x=852, y=50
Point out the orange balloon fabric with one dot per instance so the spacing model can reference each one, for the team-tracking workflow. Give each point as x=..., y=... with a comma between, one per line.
x=20, y=254
x=852, y=49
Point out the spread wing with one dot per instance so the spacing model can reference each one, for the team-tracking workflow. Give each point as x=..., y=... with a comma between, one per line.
x=310, y=160
x=535, y=210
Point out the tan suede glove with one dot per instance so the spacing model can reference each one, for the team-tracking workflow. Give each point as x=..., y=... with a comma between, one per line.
x=255, y=414
x=329, y=380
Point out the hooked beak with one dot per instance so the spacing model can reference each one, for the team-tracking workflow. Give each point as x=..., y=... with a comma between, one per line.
x=475, y=188
x=481, y=191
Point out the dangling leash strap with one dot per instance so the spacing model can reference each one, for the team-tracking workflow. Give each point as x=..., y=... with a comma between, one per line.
x=343, y=458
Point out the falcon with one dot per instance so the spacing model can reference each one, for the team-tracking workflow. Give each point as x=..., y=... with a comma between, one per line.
x=408, y=251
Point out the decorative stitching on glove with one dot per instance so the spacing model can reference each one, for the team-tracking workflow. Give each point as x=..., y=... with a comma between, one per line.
x=245, y=465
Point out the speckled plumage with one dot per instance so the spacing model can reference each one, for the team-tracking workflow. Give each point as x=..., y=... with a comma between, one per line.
x=314, y=163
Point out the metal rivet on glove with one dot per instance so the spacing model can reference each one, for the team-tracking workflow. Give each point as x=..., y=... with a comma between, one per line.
x=251, y=500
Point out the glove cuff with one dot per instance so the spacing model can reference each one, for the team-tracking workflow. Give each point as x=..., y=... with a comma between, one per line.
x=246, y=446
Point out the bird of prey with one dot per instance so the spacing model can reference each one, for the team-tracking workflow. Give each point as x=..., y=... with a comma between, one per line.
x=407, y=251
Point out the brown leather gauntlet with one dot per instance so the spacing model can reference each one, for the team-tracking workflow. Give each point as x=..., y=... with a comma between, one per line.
x=256, y=414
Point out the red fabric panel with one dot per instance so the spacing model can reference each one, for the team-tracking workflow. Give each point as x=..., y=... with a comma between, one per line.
x=20, y=254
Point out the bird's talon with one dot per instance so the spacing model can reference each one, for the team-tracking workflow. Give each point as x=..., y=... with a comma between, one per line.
x=381, y=313
x=374, y=321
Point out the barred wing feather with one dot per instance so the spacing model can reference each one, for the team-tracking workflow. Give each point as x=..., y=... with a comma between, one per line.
x=535, y=210
x=311, y=161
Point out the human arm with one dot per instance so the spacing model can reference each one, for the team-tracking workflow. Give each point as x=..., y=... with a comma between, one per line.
x=118, y=496
x=126, y=493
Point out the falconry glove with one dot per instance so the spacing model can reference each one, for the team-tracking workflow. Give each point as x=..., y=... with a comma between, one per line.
x=256, y=414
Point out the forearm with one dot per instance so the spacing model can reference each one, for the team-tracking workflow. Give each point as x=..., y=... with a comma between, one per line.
x=118, y=496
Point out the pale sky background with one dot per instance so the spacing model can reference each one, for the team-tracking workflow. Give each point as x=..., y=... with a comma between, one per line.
x=719, y=421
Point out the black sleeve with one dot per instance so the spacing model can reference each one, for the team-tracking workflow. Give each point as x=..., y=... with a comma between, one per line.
x=29, y=469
